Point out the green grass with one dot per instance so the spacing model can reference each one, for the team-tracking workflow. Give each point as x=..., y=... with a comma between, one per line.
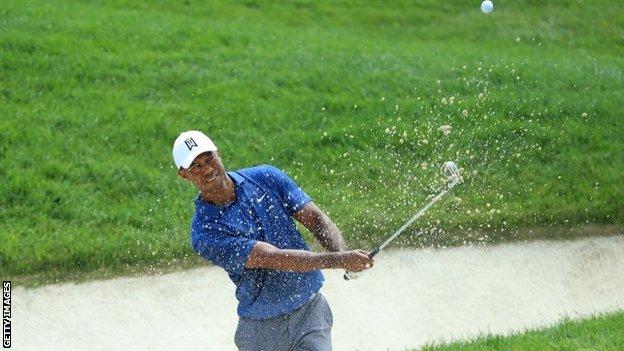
x=598, y=333
x=346, y=97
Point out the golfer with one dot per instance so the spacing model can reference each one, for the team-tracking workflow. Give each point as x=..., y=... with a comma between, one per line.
x=243, y=223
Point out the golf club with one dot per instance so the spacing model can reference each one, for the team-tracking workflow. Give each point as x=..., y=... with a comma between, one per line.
x=451, y=172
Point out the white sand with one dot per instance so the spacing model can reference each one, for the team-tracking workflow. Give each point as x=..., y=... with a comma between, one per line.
x=409, y=298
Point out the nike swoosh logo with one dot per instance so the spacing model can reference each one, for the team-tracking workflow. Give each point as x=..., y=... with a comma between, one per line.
x=261, y=198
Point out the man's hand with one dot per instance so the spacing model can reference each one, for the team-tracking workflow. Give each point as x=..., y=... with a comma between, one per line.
x=356, y=260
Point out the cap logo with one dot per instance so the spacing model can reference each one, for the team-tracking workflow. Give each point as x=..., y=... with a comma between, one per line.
x=190, y=143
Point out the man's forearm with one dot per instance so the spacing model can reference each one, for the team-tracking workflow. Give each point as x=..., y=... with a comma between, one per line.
x=305, y=261
x=319, y=224
x=328, y=234
x=264, y=256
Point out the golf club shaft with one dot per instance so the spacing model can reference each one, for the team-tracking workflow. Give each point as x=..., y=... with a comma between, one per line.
x=414, y=218
x=351, y=275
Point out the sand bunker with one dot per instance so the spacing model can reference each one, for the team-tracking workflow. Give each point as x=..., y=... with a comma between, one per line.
x=408, y=299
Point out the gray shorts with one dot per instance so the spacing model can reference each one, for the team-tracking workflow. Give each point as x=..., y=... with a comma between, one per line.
x=306, y=328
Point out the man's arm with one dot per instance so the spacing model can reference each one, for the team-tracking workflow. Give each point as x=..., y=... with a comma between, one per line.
x=319, y=224
x=265, y=255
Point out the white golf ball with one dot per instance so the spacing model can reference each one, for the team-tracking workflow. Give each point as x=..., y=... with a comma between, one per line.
x=487, y=6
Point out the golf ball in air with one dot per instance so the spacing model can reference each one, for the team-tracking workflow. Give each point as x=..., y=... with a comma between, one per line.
x=487, y=6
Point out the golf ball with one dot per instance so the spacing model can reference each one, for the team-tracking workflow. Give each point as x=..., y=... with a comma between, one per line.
x=487, y=6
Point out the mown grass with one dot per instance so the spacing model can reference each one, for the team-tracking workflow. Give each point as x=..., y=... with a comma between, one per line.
x=598, y=333
x=346, y=97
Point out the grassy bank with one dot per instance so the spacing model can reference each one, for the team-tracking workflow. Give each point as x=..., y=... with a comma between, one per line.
x=604, y=332
x=347, y=98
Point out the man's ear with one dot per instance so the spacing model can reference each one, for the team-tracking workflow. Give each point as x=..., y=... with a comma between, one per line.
x=182, y=173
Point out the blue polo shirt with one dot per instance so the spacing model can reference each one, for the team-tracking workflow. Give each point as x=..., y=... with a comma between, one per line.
x=266, y=199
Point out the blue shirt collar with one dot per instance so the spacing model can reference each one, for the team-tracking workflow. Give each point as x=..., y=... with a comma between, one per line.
x=237, y=178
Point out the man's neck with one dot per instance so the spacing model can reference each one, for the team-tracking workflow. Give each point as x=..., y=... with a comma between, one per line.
x=226, y=194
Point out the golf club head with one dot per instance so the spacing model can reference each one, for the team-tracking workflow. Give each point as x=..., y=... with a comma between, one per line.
x=451, y=171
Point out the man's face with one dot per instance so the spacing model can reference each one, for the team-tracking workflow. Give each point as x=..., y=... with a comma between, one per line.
x=206, y=172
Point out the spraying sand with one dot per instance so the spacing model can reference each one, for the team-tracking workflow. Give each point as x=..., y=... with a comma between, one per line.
x=411, y=297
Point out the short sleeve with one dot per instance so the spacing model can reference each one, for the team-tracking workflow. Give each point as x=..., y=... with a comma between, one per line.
x=293, y=197
x=224, y=249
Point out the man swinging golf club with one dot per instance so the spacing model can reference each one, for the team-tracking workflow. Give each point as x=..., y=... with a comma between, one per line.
x=243, y=223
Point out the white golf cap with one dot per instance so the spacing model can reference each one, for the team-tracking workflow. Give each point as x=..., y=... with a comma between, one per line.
x=190, y=144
